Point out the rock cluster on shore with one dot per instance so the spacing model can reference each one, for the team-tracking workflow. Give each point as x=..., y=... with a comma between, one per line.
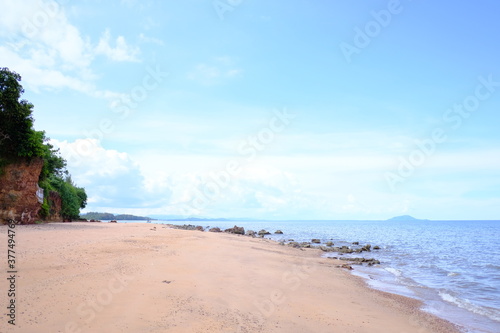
x=313, y=244
x=236, y=230
x=187, y=227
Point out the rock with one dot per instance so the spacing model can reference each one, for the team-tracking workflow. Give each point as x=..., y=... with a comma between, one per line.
x=329, y=243
x=188, y=227
x=315, y=241
x=55, y=201
x=250, y=233
x=236, y=230
x=216, y=229
x=114, y=221
x=294, y=245
x=263, y=232
x=325, y=249
x=355, y=243
x=345, y=249
x=376, y=247
x=305, y=245
x=346, y=266
x=19, y=191
x=366, y=248
x=369, y=262
x=278, y=232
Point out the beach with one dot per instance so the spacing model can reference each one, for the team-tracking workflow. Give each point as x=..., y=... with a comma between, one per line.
x=137, y=277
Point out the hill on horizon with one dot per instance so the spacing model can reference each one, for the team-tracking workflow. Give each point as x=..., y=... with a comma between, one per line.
x=405, y=218
x=110, y=216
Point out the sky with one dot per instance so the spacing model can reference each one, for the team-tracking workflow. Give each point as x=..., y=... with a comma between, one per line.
x=267, y=109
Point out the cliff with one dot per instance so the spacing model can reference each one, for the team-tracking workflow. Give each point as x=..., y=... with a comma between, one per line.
x=55, y=202
x=20, y=196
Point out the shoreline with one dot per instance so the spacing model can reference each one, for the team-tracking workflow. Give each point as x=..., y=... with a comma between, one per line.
x=391, y=274
x=170, y=280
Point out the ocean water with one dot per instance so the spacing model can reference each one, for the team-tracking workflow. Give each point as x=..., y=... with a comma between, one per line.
x=452, y=266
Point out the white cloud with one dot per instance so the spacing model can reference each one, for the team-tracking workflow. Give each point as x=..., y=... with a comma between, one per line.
x=111, y=178
x=217, y=71
x=292, y=187
x=121, y=52
x=146, y=39
x=41, y=27
x=50, y=52
x=36, y=77
x=88, y=159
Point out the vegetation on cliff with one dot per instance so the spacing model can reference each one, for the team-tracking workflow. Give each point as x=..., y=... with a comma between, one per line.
x=19, y=141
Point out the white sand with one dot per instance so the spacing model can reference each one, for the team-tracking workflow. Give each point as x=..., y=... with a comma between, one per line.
x=100, y=277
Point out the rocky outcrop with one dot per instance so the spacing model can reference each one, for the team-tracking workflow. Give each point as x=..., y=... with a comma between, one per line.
x=55, y=202
x=278, y=232
x=263, y=232
x=19, y=191
x=250, y=233
x=215, y=229
x=369, y=262
x=236, y=230
x=188, y=227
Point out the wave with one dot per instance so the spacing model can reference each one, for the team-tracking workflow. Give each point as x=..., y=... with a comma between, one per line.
x=493, y=314
x=394, y=271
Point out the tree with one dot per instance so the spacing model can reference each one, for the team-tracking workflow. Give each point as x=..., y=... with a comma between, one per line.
x=53, y=163
x=73, y=198
x=17, y=136
x=19, y=140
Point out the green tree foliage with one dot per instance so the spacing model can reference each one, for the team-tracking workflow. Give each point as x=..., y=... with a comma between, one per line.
x=19, y=140
x=53, y=163
x=73, y=198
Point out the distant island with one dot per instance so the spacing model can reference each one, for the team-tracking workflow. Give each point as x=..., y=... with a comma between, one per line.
x=110, y=217
x=405, y=218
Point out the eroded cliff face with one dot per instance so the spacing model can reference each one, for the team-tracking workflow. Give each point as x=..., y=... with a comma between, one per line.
x=55, y=202
x=19, y=191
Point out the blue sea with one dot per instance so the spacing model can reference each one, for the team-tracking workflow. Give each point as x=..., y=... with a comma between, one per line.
x=452, y=266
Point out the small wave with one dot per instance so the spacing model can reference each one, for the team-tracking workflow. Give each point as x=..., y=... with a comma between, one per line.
x=453, y=274
x=467, y=305
x=492, y=266
x=393, y=271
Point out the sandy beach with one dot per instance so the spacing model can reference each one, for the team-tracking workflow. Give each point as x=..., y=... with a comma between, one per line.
x=103, y=277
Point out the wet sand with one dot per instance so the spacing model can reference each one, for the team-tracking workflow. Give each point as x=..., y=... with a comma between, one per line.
x=103, y=277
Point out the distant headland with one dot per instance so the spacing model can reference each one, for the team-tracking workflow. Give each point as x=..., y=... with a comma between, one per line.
x=405, y=218
x=109, y=216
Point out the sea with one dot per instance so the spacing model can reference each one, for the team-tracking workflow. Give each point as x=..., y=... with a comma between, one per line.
x=453, y=267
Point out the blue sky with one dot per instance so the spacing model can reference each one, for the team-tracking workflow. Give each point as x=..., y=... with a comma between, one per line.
x=282, y=110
